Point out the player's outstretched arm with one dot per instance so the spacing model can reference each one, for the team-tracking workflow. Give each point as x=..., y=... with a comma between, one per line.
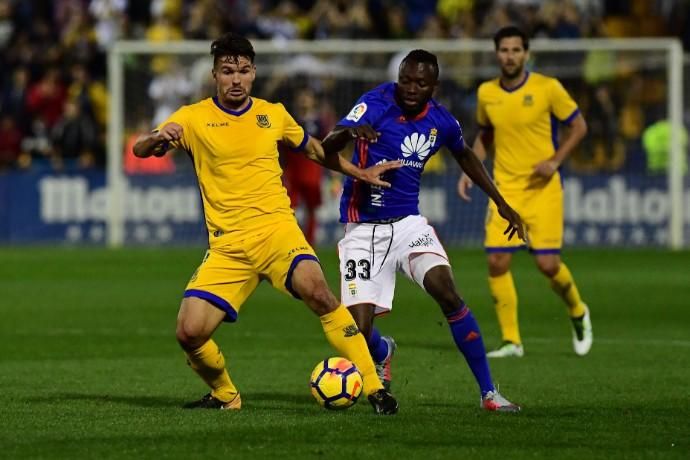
x=157, y=142
x=338, y=139
x=476, y=171
x=332, y=160
x=479, y=149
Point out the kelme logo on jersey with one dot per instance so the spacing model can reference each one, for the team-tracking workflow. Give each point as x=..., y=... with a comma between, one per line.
x=262, y=121
x=297, y=249
x=357, y=112
x=416, y=143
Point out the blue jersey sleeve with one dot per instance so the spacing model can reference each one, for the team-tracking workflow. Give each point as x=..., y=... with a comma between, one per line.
x=366, y=112
x=453, y=133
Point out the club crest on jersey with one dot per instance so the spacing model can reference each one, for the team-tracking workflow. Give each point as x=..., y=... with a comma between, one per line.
x=352, y=287
x=262, y=121
x=527, y=101
x=432, y=136
x=357, y=112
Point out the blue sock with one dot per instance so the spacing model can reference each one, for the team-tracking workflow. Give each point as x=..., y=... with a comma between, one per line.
x=469, y=341
x=377, y=347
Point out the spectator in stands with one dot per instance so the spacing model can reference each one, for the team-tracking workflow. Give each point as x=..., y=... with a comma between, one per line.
x=74, y=140
x=46, y=98
x=79, y=37
x=203, y=20
x=110, y=20
x=90, y=95
x=13, y=99
x=169, y=89
x=341, y=19
x=6, y=24
x=10, y=142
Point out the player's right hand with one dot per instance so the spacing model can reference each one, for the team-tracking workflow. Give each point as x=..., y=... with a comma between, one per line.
x=372, y=175
x=170, y=132
x=515, y=224
x=364, y=132
x=464, y=186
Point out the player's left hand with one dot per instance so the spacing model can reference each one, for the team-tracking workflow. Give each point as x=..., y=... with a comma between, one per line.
x=515, y=224
x=372, y=175
x=546, y=168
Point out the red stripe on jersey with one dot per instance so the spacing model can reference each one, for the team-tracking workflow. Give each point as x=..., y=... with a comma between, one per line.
x=363, y=156
x=352, y=214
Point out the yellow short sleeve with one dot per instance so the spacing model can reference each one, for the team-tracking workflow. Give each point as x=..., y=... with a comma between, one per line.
x=181, y=117
x=562, y=105
x=293, y=134
x=482, y=117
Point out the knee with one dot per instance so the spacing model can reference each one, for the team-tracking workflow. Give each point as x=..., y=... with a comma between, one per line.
x=442, y=289
x=548, y=267
x=320, y=298
x=499, y=264
x=189, y=336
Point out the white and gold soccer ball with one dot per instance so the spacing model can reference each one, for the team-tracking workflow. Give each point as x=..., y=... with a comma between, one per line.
x=336, y=383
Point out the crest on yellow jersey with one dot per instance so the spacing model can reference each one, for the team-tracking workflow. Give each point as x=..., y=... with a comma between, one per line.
x=262, y=121
x=528, y=100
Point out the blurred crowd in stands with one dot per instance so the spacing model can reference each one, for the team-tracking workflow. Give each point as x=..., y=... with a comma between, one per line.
x=53, y=91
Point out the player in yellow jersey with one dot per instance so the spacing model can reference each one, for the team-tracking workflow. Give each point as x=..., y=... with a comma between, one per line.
x=252, y=231
x=521, y=110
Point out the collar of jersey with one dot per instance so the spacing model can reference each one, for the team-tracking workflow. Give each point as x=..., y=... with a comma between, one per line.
x=419, y=116
x=510, y=90
x=237, y=113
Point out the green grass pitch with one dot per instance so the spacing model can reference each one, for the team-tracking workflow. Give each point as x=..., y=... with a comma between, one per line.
x=89, y=366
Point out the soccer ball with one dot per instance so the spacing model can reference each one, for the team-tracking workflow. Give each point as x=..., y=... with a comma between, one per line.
x=336, y=383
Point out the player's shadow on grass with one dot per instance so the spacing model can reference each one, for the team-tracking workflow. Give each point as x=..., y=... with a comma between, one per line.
x=138, y=401
x=263, y=400
x=279, y=401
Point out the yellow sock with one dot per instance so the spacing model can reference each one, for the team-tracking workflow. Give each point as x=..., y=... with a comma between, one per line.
x=506, y=303
x=209, y=363
x=564, y=285
x=343, y=334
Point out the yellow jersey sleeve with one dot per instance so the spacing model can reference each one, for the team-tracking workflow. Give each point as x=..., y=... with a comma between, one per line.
x=482, y=117
x=293, y=134
x=562, y=105
x=181, y=117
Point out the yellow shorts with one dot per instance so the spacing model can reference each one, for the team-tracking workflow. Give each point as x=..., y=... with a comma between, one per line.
x=230, y=271
x=541, y=210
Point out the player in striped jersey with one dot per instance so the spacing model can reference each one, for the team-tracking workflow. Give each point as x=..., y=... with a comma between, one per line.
x=385, y=232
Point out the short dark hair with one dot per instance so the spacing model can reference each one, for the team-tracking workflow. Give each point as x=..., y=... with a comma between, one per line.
x=511, y=31
x=422, y=57
x=231, y=44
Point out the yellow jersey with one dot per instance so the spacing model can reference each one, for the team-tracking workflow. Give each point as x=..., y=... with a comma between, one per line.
x=236, y=161
x=525, y=124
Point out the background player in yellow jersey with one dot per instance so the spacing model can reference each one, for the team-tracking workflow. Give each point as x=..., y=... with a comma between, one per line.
x=252, y=231
x=521, y=110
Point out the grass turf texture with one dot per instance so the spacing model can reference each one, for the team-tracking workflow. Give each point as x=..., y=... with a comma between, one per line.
x=90, y=368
